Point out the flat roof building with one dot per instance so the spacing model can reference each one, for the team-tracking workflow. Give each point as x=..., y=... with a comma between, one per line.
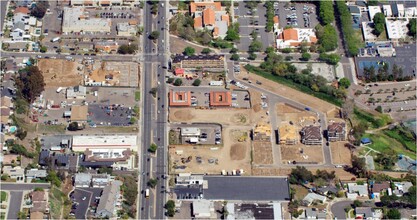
x=107, y=204
x=190, y=132
x=220, y=98
x=76, y=19
x=293, y=37
x=372, y=10
x=82, y=143
x=79, y=113
x=203, y=209
x=179, y=98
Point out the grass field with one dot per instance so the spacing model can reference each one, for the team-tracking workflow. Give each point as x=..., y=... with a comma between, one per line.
x=52, y=129
x=3, y=196
x=382, y=143
x=137, y=96
x=2, y=215
x=55, y=202
x=373, y=121
x=404, y=137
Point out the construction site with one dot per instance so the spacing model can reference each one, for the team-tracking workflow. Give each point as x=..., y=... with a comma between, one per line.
x=61, y=73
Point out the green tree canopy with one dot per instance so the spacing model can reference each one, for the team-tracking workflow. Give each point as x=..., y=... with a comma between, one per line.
x=197, y=82
x=189, y=51
x=30, y=83
x=154, y=35
x=40, y=9
x=178, y=82
x=344, y=82
x=326, y=12
x=235, y=57
x=412, y=27
x=206, y=51
x=255, y=46
x=305, y=56
x=379, y=23
x=393, y=214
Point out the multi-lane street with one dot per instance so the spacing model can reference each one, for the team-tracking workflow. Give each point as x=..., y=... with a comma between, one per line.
x=155, y=59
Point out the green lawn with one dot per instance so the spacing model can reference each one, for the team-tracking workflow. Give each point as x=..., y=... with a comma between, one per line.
x=2, y=215
x=137, y=95
x=381, y=142
x=55, y=202
x=404, y=137
x=3, y=196
x=52, y=129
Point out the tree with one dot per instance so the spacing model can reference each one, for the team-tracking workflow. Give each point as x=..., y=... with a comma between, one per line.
x=4, y=177
x=299, y=175
x=379, y=23
x=387, y=159
x=38, y=189
x=378, y=109
x=178, y=82
x=269, y=50
x=197, y=82
x=189, y=51
x=331, y=59
x=170, y=206
x=327, y=36
x=30, y=83
x=235, y=57
x=170, y=80
x=358, y=166
x=232, y=33
x=286, y=50
x=154, y=35
x=21, y=134
x=393, y=214
x=53, y=178
x=73, y=126
x=107, y=170
x=326, y=12
x=255, y=46
x=40, y=9
x=305, y=56
x=127, y=49
x=43, y=49
x=233, y=50
x=357, y=203
x=152, y=183
x=206, y=51
x=153, y=148
x=252, y=56
x=344, y=83
x=21, y=215
x=412, y=28
x=130, y=190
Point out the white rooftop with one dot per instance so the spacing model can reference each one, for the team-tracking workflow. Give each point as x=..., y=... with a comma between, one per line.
x=104, y=141
x=372, y=10
x=396, y=29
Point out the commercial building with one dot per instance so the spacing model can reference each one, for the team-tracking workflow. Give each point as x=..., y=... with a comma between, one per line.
x=77, y=19
x=82, y=180
x=293, y=37
x=396, y=28
x=190, y=132
x=108, y=200
x=203, y=209
x=367, y=31
x=255, y=210
x=311, y=135
x=126, y=29
x=79, y=113
x=106, y=46
x=336, y=131
x=372, y=10
x=93, y=3
x=179, y=98
x=207, y=62
x=77, y=92
x=288, y=134
x=120, y=159
x=209, y=15
x=220, y=98
x=82, y=143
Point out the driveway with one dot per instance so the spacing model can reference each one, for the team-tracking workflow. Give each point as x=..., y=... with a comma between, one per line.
x=15, y=204
x=89, y=195
x=338, y=209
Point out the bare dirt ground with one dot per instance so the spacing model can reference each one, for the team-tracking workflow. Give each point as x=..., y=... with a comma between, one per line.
x=60, y=72
x=233, y=155
x=262, y=153
x=226, y=116
x=293, y=152
x=177, y=45
x=297, y=116
x=260, y=171
x=99, y=75
x=288, y=92
x=340, y=153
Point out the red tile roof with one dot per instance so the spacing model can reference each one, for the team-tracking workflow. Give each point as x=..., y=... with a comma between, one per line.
x=198, y=22
x=208, y=17
x=218, y=98
x=179, y=98
x=290, y=34
x=23, y=10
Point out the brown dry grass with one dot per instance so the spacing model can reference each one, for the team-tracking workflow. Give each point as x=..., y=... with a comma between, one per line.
x=292, y=152
x=59, y=73
x=228, y=116
x=237, y=151
x=340, y=153
x=258, y=171
x=288, y=92
x=262, y=153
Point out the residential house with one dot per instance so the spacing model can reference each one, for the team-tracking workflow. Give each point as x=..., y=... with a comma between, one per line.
x=6, y=109
x=295, y=37
x=355, y=190
x=262, y=132
x=106, y=46
x=368, y=213
x=108, y=200
x=17, y=47
x=288, y=134
x=16, y=173
x=313, y=213
x=377, y=189
x=82, y=180
x=401, y=188
x=311, y=135
x=35, y=174
x=77, y=92
x=100, y=180
x=326, y=190
x=312, y=197
x=40, y=202
x=336, y=131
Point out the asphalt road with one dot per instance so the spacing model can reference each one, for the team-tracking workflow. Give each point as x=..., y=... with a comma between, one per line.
x=15, y=203
x=3, y=12
x=338, y=209
x=23, y=186
x=154, y=113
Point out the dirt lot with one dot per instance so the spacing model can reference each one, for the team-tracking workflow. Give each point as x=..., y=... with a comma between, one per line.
x=177, y=45
x=297, y=116
x=229, y=116
x=233, y=155
x=60, y=72
x=293, y=152
x=288, y=92
x=340, y=153
x=257, y=171
x=262, y=153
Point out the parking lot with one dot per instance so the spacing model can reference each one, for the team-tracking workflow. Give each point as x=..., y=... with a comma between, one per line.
x=47, y=142
x=82, y=199
x=115, y=115
x=299, y=15
x=211, y=134
x=252, y=22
